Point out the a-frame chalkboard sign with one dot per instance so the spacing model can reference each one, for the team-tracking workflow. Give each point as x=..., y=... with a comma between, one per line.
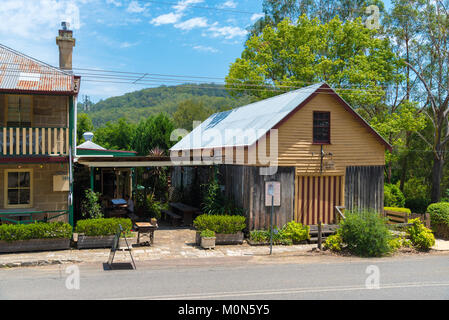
x=115, y=246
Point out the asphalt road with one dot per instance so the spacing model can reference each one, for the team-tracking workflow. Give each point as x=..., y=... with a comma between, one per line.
x=414, y=277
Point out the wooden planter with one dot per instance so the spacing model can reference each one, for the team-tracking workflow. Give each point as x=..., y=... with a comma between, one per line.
x=208, y=243
x=224, y=239
x=92, y=242
x=97, y=242
x=34, y=245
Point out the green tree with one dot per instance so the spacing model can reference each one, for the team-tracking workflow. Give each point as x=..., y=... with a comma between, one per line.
x=189, y=111
x=153, y=132
x=116, y=135
x=348, y=56
x=83, y=124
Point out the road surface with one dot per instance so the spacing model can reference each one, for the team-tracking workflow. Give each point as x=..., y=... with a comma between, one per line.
x=410, y=277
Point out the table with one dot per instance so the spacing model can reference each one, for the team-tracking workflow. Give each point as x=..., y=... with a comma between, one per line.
x=186, y=210
x=147, y=229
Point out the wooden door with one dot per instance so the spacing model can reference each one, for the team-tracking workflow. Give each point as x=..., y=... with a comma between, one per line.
x=316, y=198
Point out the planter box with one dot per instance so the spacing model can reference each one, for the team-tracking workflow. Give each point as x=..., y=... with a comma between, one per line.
x=208, y=243
x=97, y=242
x=34, y=245
x=441, y=231
x=92, y=242
x=224, y=239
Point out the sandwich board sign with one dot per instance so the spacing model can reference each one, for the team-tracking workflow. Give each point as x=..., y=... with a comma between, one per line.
x=115, y=247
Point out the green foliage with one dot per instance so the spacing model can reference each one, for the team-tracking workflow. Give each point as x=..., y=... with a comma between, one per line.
x=366, y=234
x=334, y=243
x=207, y=234
x=90, y=206
x=154, y=206
x=220, y=223
x=393, y=196
x=116, y=135
x=83, y=124
x=439, y=213
x=214, y=202
x=102, y=227
x=153, y=132
x=191, y=110
x=291, y=233
x=296, y=231
x=54, y=230
x=165, y=99
x=420, y=237
x=417, y=194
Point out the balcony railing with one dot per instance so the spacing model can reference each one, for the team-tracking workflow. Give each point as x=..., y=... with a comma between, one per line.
x=34, y=141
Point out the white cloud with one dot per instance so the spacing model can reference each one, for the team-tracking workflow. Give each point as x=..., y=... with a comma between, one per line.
x=190, y=24
x=37, y=19
x=205, y=49
x=228, y=4
x=181, y=6
x=227, y=32
x=169, y=18
x=116, y=3
x=134, y=7
x=256, y=16
x=128, y=44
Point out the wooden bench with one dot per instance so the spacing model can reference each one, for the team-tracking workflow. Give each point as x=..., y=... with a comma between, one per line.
x=175, y=218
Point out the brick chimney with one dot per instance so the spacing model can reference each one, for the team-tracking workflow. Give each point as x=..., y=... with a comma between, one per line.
x=65, y=42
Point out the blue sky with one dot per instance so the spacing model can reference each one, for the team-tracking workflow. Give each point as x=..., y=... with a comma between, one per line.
x=174, y=37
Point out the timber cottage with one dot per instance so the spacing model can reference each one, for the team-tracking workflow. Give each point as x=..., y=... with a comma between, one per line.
x=325, y=156
x=37, y=120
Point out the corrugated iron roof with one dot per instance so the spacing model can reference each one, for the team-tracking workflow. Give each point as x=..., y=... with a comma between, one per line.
x=258, y=117
x=244, y=126
x=19, y=72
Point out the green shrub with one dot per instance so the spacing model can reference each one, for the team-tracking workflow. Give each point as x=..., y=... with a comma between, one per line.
x=261, y=236
x=365, y=234
x=90, y=206
x=54, y=230
x=417, y=205
x=393, y=196
x=333, y=243
x=439, y=213
x=220, y=224
x=394, y=209
x=207, y=234
x=420, y=237
x=102, y=227
x=296, y=231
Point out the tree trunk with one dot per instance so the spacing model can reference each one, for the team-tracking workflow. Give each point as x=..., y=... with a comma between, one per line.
x=405, y=162
x=437, y=173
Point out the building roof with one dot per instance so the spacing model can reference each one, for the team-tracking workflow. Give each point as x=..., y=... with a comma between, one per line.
x=221, y=130
x=21, y=73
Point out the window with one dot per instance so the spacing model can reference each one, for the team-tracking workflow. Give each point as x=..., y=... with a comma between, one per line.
x=321, y=127
x=19, y=111
x=18, y=188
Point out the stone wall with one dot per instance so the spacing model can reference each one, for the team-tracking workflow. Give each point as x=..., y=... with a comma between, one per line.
x=48, y=111
x=44, y=196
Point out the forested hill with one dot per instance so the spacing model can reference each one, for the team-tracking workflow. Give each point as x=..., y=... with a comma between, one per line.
x=143, y=103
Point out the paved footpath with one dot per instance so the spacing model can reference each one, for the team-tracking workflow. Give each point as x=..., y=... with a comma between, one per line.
x=177, y=244
x=168, y=244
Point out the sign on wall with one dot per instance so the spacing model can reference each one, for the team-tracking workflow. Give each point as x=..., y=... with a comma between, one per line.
x=276, y=187
x=61, y=183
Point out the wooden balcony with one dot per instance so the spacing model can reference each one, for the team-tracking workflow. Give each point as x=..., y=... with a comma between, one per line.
x=15, y=141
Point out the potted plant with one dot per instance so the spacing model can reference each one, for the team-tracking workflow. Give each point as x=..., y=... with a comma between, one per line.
x=208, y=239
x=35, y=237
x=228, y=229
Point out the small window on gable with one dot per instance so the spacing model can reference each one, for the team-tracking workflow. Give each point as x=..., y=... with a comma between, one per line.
x=321, y=127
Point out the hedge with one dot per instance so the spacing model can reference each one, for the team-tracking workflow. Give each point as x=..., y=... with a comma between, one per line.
x=439, y=219
x=102, y=226
x=395, y=209
x=220, y=223
x=53, y=230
